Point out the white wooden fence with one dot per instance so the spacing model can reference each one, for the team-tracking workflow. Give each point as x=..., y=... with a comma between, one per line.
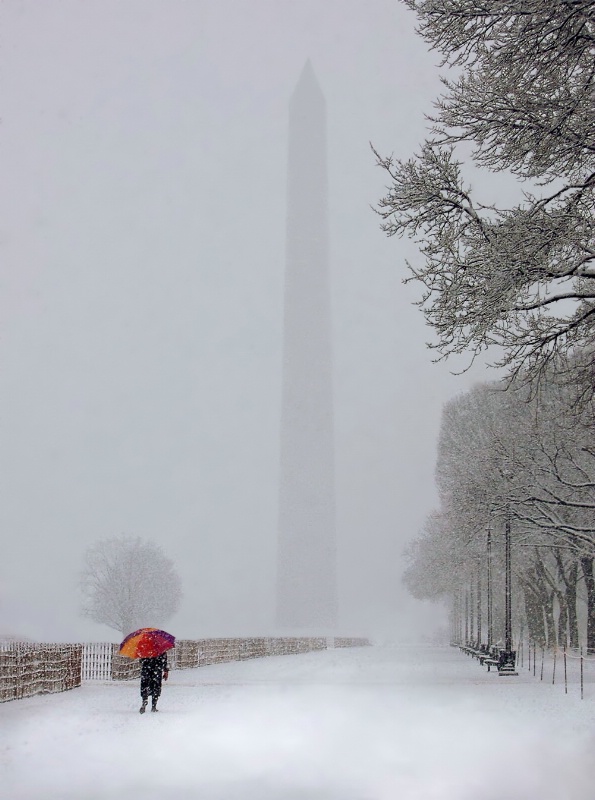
x=97, y=661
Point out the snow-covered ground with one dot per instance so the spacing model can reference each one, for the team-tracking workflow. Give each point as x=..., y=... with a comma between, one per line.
x=365, y=724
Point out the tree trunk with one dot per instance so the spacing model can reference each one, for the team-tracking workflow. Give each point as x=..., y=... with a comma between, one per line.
x=570, y=591
x=547, y=595
x=534, y=614
x=567, y=598
x=562, y=621
x=587, y=567
x=549, y=619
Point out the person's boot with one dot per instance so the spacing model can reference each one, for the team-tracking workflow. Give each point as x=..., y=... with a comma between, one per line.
x=154, y=707
x=143, y=706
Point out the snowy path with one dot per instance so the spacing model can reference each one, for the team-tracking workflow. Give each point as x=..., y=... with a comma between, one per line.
x=365, y=724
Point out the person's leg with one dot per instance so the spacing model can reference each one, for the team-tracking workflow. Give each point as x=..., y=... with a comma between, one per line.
x=144, y=692
x=155, y=691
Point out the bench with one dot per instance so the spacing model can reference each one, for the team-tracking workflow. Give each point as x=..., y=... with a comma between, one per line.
x=491, y=662
x=490, y=656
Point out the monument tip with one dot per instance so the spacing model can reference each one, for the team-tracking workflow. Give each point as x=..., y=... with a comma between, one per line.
x=308, y=80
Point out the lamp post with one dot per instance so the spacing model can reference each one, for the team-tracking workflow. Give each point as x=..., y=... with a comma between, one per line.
x=471, y=613
x=461, y=621
x=507, y=658
x=508, y=608
x=489, y=591
x=456, y=618
x=479, y=604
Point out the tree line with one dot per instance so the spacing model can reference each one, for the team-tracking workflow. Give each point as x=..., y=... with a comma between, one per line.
x=505, y=454
x=517, y=281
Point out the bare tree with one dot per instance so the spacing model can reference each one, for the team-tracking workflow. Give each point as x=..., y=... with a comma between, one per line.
x=128, y=583
x=522, y=278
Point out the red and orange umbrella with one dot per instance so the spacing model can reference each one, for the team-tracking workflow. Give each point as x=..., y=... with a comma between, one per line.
x=147, y=643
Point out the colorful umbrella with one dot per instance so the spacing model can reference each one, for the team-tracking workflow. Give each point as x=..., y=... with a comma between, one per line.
x=147, y=643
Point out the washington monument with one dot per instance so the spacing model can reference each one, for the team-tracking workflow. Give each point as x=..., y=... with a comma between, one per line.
x=306, y=577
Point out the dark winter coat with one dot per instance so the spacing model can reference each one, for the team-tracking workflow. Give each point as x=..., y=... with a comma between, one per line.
x=151, y=673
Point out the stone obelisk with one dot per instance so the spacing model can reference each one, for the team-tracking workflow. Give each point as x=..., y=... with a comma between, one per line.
x=306, y=577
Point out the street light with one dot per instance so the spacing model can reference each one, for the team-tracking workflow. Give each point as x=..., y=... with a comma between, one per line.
x=489, y=592
x=507, y=658
x=479, y=604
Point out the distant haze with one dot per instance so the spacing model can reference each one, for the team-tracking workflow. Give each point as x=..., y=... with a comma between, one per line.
x=142, y=243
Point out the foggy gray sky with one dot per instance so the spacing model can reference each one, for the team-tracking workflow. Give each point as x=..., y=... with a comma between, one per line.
x=142, y=234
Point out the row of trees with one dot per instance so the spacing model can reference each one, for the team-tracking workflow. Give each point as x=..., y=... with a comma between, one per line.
x=506, y=454
x=519, y=280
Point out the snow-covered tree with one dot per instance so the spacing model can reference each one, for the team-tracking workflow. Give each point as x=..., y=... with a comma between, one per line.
x=522, y=278
x=435, y=560
x=510, y=455
x=128, y=583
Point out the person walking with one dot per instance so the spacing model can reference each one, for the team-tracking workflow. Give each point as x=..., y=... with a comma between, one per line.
x=152, y=670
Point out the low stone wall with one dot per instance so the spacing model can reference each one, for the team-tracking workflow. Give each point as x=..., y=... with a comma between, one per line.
x=347, y=641
x=30, y=669
x=189, y=654
x=124, y=669
x=192, y=653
